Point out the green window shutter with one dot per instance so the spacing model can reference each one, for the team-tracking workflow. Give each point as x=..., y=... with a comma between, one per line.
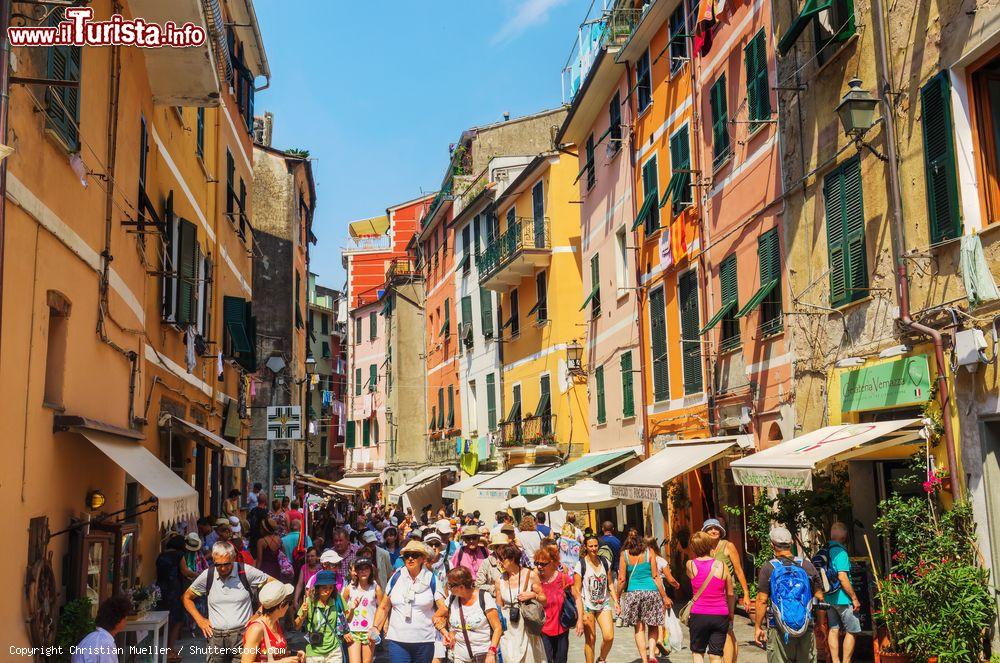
x=602, y=415
x=446, y=328
x=591, y=172
x=230, y=185
x=690, y=347
x=491, y=401
x=595, y=285
x=440, y=408
x=63, y=103
x=187, y=273
x=451, y=406
x=628, y=395
x=845, y=227
x=372, y=326
x=486, y=311
x=349, y=438
x=357, y=381
x=467, y=310
x=201, y=132
x=433, y=422
x=730, y=303
x=372, y=377
x=658, y=344
x=680, y=159
x=939, y=159
x=720, y=121
x=758, y=90
x=234, y=318
x=366, y=433
x=651, y=191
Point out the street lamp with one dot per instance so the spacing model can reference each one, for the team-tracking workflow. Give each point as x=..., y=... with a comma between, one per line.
x=574, y=357
x=857, y=114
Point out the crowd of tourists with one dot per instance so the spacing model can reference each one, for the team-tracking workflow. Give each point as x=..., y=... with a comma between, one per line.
x=448, y=585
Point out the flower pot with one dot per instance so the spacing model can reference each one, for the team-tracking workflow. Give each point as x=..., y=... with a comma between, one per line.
x=888, y=657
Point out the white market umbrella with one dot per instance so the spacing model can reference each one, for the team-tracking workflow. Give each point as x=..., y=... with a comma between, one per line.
x=588, y=494
x=546, y=504
x=518, y=502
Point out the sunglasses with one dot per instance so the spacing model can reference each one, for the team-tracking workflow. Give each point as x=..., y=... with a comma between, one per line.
x=542, y=563
x=411, y=555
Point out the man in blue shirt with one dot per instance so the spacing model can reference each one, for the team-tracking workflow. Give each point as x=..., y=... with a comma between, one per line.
x=540, y=525
x=842, y=614
x=611, y=541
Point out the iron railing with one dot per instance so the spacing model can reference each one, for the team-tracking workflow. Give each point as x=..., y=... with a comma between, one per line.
x=611, y=27
x=528, y=432
x=402, y=268
x=526, y=233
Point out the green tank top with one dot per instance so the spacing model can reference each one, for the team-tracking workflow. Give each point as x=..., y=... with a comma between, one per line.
x=640, y=576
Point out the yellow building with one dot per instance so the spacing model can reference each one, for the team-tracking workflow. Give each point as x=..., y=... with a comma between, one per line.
x=127, y=271
x=533, y=260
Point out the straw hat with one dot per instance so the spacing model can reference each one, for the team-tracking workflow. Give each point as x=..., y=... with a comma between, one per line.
x=192, y=542
x=499, y=539
x=471, y=530
x=415, y=547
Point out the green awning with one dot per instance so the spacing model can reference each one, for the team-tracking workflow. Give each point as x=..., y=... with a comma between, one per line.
x=673, y=188
x=546, y=483
x=647, y=205
x=809, y=10
x=758, y=297
x=726, y=308
x=589, y=298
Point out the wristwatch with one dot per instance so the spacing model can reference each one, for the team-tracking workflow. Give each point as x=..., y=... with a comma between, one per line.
x=492, y=649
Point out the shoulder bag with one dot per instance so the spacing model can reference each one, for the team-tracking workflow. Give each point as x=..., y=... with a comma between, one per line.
x=475, y=658
x=532, y=613
x=685, y=613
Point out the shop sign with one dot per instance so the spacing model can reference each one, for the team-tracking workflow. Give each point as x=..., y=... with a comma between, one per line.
x=537, y=489
x=494, y=493
x=905, y=381
x=773, y=478
x=642, y=493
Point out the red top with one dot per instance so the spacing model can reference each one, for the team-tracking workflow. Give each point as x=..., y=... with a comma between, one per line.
x=555, y=595
x=275, y=641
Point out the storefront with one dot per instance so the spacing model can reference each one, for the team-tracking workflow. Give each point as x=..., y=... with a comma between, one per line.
x=423, y=490
x=364, y=486
x=217, y=461
x=464, y=491
x=588, y=465
x=491, y=494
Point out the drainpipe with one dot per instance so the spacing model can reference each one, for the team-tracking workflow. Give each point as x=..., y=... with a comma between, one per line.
x=640, y=290
x=5, y=8
x=898, y=240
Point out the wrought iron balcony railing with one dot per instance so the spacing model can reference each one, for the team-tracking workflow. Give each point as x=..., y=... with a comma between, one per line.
x=528, y=432
x=526, y=233
x=402, y=268
x=613, y=27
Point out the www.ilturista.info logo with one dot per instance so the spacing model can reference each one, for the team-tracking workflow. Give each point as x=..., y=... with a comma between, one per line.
x=79, y=29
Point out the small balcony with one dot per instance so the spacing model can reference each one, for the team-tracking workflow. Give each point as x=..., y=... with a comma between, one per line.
x=532, y=431
x=401, y=268
x=608, y=29
x=518, y=252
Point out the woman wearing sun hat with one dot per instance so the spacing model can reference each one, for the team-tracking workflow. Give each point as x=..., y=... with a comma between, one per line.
x=321, y=619
x=489, y=571
x=412, y=597
x=264, y=639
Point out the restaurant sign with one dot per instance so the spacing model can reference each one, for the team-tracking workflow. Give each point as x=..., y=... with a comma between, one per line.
x=905, y=381
x=641, y=493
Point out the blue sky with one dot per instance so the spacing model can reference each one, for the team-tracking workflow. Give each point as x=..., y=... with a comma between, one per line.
x=376, y=91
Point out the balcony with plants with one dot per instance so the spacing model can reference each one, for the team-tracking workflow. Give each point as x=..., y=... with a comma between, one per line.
x=522, y=248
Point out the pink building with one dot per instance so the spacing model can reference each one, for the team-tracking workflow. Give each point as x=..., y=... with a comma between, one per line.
x=366, y=429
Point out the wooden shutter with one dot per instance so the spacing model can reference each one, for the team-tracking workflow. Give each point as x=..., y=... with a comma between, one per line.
x=366, y=432
x=720, y=121
x=451, y=406
x=538, y=214
x=467, y=310
x=541, y=296
x=357, y=381
x=602, y=415
x=650, y=187
x=63, y=102
x=769, y=256
x=845, y=228
x=615, y=119
x=727, y=280
x=440, y=408
x=758, y=93
x=187, y=272
x=939, y=159
x=486, y=311
x=201, y=132
x=167, y=266
x=730, y=300
x=372, y=326
x=230, y=185
x=658, y=343
x=206, y=304
x=515, y=323
x=680, y=159
x=491, y=401
x=628, y=396
x=595, y=285
x=372, y=376
x=591, y=172
x=349, y=438
x=690, y=348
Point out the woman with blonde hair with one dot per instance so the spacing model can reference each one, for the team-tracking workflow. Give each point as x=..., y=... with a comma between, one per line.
x=529, y=538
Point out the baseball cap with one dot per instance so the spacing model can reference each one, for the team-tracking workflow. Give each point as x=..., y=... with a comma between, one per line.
x=432, y=537
x=325, y=578
x=781, y=536
x=330, y=557
x=369, y=537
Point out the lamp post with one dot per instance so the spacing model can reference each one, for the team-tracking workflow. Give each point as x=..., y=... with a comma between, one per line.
x=857, y=115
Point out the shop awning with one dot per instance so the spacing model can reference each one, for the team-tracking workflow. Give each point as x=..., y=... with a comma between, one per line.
x=546, y=482
x=547, y=503
x=791, y=464
x=419, y=479
x=516, y=502
x=322, y=485
x=646, y=480
x=455, y=490
x=499, y=487
x=176, y=500
x=232, y=455
x=586, y=494
x=358, y=483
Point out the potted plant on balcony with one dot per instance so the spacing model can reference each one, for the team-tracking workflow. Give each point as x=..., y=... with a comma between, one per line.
x=936, y=602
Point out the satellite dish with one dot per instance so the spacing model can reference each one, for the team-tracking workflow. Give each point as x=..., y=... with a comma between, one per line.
x=275, y=364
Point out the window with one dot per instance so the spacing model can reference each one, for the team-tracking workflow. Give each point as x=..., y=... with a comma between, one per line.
x=451, y=406
x=602, y=414
x=357, y=330
x=446, y=327
x=939, y=159
x=189, y=257
x=466, y=329
x=541, y=307
x=440, y=408
x=491, y=401
x=643, y=88
x=55, y=349
x=349, y=435
x=845, y=233
x=372, y=377
x=589, y=167
x=200, y=136
x=168, y=262
x=486, y=311
x=432, y=425
x=204, y=297
x=230, y=187
x=473, y=415
x=678, y=38
x=758, y=88
x=372, y=326
x=690, y=347
x=62, y=104
x=297, y=301
x=466, y=252
x=594, y=298
x=628, y=396
x=538, y=214
x=720, y=122
x=357, y=381
x=144, y=204
x=833, y=27
x=615, y=120
x=324, y=323
x=544, y=409
x=621, y=262
x=476, y=233
x=650, y=195
x=730, y=303
x=514, y=416
x=769, y=259
x=658, y=343
x=366, y=432
x=512, y=321
x=240, y=341
x=680, y=161
x=243, y=209
x=374, y=432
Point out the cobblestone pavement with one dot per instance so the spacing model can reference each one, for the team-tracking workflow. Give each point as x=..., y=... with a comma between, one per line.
x=623, y=650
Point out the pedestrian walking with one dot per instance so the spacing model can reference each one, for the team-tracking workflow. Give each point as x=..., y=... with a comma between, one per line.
x=270, y=550
x=194, y=561
x=519, y=595
x=99, y=646
x=787, y=585
x=264, y=639
x=361, y=599
x=406, y=612
x=613, y=543
x=321, y=618
x=598, y=591
x=644, y=597
x=472, y=620
x=310, y=568
x=230, y=589
x=726, y=552
x=380, y=557
x=489, y=570
x=471, y=554
x=540, y=525
x=171, y=582
x=842, y=615
x=341, y=544
x=667, y=578
x=390, y=539
x=555, y=583
x=331, y=561
x=529, y=538
x=714, y=603
x=290, y=541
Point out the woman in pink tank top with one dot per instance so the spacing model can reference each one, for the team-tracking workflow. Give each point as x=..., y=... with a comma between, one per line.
x=714, y=603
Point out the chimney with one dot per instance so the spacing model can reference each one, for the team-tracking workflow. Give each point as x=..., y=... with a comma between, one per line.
x=263, y=129
x=506, y=116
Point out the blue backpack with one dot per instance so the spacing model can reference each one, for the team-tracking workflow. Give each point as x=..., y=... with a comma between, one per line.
x=823, y=561
x=791, y=597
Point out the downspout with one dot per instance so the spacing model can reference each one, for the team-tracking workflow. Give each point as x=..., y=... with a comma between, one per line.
x=640, y=290
x=898, y=240
x=5, y=9
x=217, y=297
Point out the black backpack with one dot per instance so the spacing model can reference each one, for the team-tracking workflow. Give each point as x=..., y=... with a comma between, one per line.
x=242, y=575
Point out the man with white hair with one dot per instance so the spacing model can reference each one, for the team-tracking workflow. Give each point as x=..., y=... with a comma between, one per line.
x=231, y=590
x=842, y=615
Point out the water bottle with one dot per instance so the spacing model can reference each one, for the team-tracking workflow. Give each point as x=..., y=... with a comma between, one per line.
x=376, y=638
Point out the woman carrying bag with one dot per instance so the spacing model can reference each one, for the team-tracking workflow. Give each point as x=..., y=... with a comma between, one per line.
x=471, y=616
x=322, y=616
x=644, y=597
x=563, y=607
x=519, y=594
x=710, y=613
